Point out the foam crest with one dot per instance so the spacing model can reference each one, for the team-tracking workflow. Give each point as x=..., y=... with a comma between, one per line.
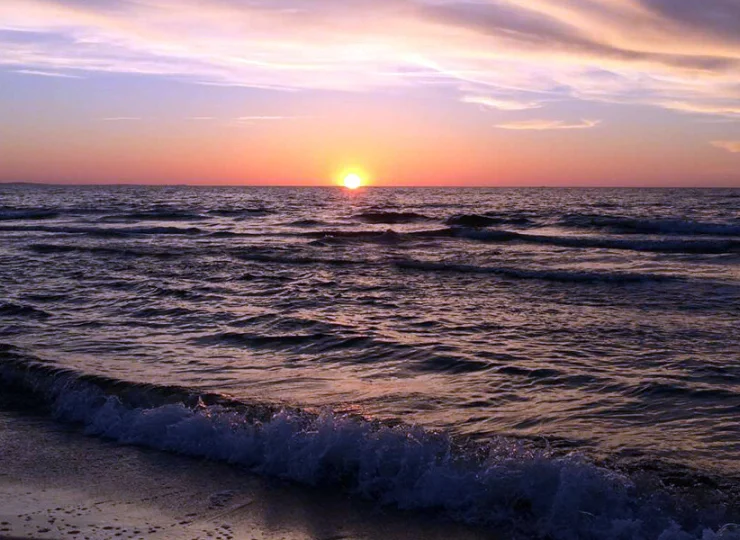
x=506, y=485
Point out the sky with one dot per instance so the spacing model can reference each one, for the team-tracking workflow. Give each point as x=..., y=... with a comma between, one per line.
x=407, y=92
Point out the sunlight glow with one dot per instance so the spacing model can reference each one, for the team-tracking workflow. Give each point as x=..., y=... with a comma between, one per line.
x=352, y=181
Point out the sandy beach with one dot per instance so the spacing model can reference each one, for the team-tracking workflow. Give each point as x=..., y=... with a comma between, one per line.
x=58, y=483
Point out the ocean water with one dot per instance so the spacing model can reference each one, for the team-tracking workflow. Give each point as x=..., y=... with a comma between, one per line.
x=560, y=363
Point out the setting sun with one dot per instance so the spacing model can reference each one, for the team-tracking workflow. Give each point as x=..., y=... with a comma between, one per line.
x=352, y=181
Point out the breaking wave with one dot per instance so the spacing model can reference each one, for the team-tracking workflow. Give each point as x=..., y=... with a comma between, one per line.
x=504, y=484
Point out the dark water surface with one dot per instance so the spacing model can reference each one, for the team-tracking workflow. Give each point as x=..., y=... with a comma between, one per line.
x=604, y=322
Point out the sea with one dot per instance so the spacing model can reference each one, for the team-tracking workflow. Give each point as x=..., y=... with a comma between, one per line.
x=549, y=363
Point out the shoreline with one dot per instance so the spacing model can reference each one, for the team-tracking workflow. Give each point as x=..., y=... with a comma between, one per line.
x=57, y=483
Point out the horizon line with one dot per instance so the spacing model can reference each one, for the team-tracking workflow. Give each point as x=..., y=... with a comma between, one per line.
x=381, y=186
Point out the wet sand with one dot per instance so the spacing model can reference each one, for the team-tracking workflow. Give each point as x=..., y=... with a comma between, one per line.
x=57, y=483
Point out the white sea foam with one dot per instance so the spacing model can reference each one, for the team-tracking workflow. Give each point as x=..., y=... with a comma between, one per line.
x=509, y=486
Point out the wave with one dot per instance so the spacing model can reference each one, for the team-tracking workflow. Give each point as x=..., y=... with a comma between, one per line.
x=22, y=310
x=377, y=237
x=307, y=223
x=294, y=259
x=283, y=341
x=563, y=276
x=150, y=231
x=690, y=246
x=553, y=275
x=104, y=232
x=653, y=389
x=512, y=487
x=240, y=212
x=318, y=338
x=155, y=312
x=360, y=235
x=30, y=214
x=54, y=249
x=156, y=215
x=629, y=225
x=486, y=220
x=161, y=290
x=657, y=246
x=391, y=217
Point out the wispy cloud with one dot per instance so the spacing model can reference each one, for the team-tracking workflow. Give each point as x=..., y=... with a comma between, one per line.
x=265, y=118
x=255, y=120
x=39, y=73
x=730, y=146
x=703, y=108
x=259, y=119
x=546, y=125
x=675, y=54
x=500, y=104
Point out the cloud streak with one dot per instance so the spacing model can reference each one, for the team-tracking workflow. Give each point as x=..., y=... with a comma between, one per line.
x=547, y=125
x=266, y=118
x=718, y=109
x=39, y=73
x=731, y=146
x=501, y=104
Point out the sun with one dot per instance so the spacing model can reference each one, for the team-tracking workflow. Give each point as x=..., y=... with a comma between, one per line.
x=352, y=181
